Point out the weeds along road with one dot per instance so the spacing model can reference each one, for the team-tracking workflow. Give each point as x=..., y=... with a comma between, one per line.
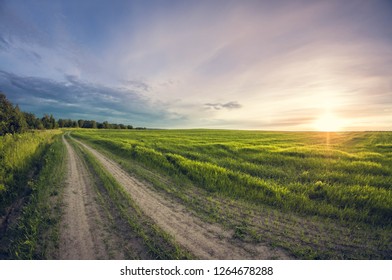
x=82, y=231
x=204, y=240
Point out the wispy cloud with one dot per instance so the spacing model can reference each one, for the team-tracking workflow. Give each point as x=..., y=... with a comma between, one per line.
x=137, y=85
x=254, y=64
x=219, y=106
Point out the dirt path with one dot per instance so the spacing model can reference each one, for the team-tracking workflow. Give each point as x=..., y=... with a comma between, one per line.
x=82, y=232
x=204, y=240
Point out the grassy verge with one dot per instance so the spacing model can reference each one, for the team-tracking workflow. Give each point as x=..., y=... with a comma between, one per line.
x=159, y=244
x=20, y=160
x=35, y=235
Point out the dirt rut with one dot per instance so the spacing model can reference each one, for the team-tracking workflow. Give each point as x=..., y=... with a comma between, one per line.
x=82, y=233
x=204, y=240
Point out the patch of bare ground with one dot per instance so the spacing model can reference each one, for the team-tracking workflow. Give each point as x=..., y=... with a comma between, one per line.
x=89, y=229
x=204, y=240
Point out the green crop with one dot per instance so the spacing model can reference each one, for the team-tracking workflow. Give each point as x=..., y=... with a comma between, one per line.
x=346, y=176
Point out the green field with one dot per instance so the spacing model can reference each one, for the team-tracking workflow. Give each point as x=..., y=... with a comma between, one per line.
x=314, y=195
x=318, y=195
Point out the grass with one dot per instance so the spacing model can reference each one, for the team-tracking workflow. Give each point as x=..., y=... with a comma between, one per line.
x=321, y=195
x=20, y=156
x=159, y=244
x=35, y=235
x=293, y=171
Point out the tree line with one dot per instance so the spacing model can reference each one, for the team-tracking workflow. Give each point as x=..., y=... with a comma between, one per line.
x=13, y=120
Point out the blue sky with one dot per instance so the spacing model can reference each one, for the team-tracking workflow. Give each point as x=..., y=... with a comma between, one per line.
x=273, y=65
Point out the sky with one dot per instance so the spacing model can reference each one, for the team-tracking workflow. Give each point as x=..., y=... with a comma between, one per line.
x=265, y=65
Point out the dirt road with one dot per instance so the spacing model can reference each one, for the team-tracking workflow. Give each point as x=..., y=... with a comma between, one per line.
x=82, y=231
x=204, y=240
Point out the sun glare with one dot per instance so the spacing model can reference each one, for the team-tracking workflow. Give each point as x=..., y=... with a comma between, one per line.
x=328, y=122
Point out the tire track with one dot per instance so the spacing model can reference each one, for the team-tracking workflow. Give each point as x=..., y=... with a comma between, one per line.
x=82, y=235
x=204, y=240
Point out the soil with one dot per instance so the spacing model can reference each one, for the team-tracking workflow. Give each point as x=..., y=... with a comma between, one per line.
x=83, y=228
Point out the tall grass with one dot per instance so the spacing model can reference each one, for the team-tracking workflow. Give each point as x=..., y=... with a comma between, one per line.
x=20, y=154
x=346, y=176
x=35, y=236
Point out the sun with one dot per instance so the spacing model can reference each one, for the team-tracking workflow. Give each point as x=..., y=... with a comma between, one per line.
x=328, y=122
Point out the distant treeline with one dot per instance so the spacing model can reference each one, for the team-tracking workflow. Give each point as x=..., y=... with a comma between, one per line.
x=92, y=124
x=13, y=120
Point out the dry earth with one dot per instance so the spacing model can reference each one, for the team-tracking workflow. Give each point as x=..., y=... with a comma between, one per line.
x=83, y=234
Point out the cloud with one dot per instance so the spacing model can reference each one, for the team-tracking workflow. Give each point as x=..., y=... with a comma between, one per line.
x=229, y=105
x=3, y=44
x=138, y=85
x=180, y=64
x=75, y=98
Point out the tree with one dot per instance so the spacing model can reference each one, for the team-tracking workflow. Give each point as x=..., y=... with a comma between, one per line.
x=12, y=120
x=106, y=125
x=39, y=124
x=68, y=123
x=18, y=123
x=61, y=123
x=46, y=122
x=31, y=120
x=53, y=123
x=75, y=124
x=81, y=123
x=6, y=112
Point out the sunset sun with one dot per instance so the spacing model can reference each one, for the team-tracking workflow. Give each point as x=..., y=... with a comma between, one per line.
x=328, y=122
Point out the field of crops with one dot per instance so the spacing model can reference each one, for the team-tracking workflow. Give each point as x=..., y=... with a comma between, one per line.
x=344, y=176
